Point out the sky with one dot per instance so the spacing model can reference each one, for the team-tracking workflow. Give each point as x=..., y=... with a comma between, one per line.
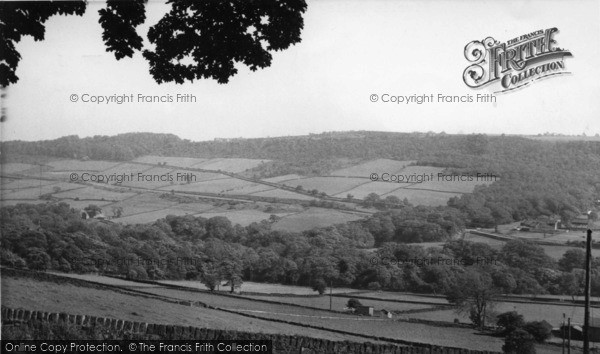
x=350, y=50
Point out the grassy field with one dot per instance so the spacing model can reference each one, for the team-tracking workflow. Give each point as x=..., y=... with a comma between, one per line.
x=242, y=217
x=278, y=193
x=313, y=217
x=224, y=185
x=339, y=303
x=401, y=190
x=329, y=185
x=555, y=252
x=18, y=183
x=376, y=326
x=532, y=312
x=51, y=297
x=443, y=186
x=94, y=193
x=35, y=192
x=143, y=203
x=230, y=164
x=126, y=168
x=283, y=178
x=388, y=295
x=172, y=161
x=15, y=167
x=259, y=287
x=78, y=165
x=375, y=166
x=152, y=216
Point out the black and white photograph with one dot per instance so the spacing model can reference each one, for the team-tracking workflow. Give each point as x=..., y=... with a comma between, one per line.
x=300, y=176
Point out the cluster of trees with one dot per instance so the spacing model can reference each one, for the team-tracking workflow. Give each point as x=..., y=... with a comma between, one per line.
x=535, y=177
x=521, y=336
x=53, y=236
x=410, y=224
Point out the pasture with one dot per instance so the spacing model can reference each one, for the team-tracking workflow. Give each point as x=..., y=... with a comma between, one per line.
x=282, y=194
x=234, y=165
x=35, y=192
x=283, y=178
x=22, y=183
x=218, y=186
x=339, y=303
x=329, y=185
x=151, y=216
x=242, y=217
x=79, y=165
x=314, y=217
x=126, y=169
x=171, y=161
x=143, y=203
x=553, y=314
x=374, y=166
x=52, y=297
x=92, y=193
x=264, y=288
x=16, y=167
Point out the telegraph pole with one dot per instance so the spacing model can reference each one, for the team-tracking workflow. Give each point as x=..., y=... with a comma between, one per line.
x=586, y=316
x=330, y=293
x=563, y=334
x=569, y=347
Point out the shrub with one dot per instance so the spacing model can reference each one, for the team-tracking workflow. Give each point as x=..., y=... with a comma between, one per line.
x=8, y=258
x=509, y=321
x=374, y=286
x=319, y=285
x=539, y=330
x=519, y=342
x=353, y=303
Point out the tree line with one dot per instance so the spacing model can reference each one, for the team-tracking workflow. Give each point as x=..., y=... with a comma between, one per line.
x=364, y=254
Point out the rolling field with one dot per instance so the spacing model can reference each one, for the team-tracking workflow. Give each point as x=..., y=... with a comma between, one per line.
x=94, y=193
x=152, y=216
x=313, y=217
x=15, y=167
x=455, y=187
x=143, y=203
x=379, y=188
x=195, y=176
x=283, y=178
x=150, y=208
x=126, y=168
x=35, y=192
x=400, y=190
x=329, y=185
x=152, y=178
x=388, y=295
x=234, y=165
x=65, y=297
x=78, y=165
x=242, y=217
x=22, y=183
x=555, y=252
x=258, y=287
x=278, y=193
x=553, y=314
x=375, y=166
x=172, y=161
x=218, y=186
x=52, y=297
x=339, y=303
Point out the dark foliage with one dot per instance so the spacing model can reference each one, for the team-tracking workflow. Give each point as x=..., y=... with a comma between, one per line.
x=194, y=40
